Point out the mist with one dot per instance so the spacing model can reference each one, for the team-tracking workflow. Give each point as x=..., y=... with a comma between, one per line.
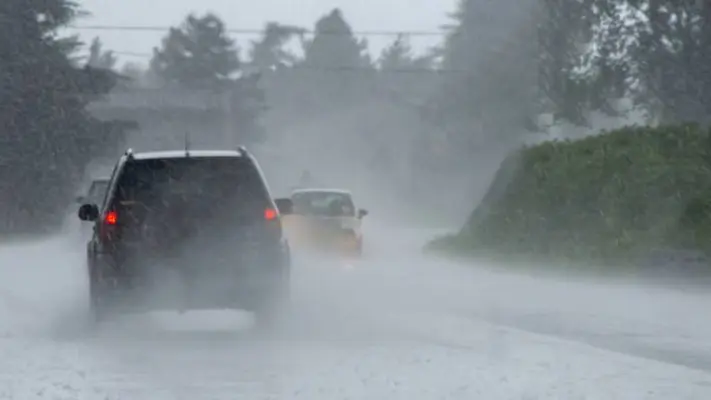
x=425, y=137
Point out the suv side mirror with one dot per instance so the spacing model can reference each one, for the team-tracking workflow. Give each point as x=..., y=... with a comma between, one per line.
x=362, y=213
x=285, y=206
x=88, y=212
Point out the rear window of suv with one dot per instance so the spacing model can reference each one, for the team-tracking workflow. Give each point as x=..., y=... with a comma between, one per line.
x=231, y=184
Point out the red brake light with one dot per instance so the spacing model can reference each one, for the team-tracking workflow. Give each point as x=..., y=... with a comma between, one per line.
x=111, y=218
x=270, y=214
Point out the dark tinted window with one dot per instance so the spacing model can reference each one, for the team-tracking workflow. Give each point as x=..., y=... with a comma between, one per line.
x=221, y=186
x=323, y=203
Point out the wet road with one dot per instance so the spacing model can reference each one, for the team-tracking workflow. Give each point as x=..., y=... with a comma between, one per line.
x=396, y=326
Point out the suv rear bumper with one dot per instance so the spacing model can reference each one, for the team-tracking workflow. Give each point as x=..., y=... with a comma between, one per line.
x=202, y=284
x=191, y=295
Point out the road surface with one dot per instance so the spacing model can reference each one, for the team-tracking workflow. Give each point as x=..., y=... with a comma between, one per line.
x=396, y=326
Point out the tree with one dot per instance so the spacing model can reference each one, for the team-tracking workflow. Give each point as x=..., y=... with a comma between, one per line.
x=671, y=55
x=396, y=56
x=406, y=78
x=655, y=51
x=399, y=56
x=47, y=137
x=200, y=58
x=198, y=54
x=580, y=69
x=336, y=70
x=490, y=90
x=561, y=35
x=334, y=47
x=98, y=58
x=268, y=52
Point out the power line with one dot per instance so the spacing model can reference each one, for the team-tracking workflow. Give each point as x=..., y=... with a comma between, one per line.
x=148, y=28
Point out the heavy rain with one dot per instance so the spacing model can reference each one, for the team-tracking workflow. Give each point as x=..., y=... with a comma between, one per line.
x=332, y=199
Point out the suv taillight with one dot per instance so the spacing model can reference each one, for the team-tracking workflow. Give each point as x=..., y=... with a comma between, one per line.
x=273, y=222
x=111, y=218
x=107, y=229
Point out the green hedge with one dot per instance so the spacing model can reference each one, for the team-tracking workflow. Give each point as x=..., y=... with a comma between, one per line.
x=612, y=197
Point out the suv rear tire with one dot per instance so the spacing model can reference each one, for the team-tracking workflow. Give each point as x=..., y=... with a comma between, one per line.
x=101, y=303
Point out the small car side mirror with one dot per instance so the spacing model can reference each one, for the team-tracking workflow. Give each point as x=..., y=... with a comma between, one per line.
x=362, y=213
x=285, y=206
x=88, y=212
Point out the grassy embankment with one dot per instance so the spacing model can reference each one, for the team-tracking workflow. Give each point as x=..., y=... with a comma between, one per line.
x=612, y=199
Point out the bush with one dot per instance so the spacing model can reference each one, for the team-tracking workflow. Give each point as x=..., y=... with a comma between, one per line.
x=610, y=198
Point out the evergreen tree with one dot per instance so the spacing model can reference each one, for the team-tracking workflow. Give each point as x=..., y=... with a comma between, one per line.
x=336, y=69
x=405, y=78
x=47, y=137
x=268, y=52
x=490, y=90
x=334, y=47
x=98, y=58
x=400, y=56
x=397, y=56
x=198, y=54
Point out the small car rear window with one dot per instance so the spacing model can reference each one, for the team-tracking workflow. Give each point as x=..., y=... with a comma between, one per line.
x=323, y=203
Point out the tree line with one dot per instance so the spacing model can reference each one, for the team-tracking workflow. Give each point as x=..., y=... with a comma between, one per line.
x=501, y=64
x=566, y=57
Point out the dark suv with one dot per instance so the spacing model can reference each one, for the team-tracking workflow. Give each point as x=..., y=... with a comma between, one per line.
x=186, y=230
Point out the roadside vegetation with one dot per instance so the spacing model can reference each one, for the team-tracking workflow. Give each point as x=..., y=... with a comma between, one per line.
x=610, y=199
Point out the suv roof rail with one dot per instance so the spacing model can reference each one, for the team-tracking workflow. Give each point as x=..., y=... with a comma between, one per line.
x=242, y=151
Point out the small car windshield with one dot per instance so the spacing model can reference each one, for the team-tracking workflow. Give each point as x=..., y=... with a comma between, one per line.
x=323, y=203
x=97, y=191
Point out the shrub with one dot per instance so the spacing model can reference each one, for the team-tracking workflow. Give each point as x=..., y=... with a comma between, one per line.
x=613, y=197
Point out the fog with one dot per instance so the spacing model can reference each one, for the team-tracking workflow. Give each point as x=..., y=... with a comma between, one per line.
x=417, y=136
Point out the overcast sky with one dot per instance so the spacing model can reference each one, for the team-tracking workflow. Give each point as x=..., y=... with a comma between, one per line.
x=364, y=15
